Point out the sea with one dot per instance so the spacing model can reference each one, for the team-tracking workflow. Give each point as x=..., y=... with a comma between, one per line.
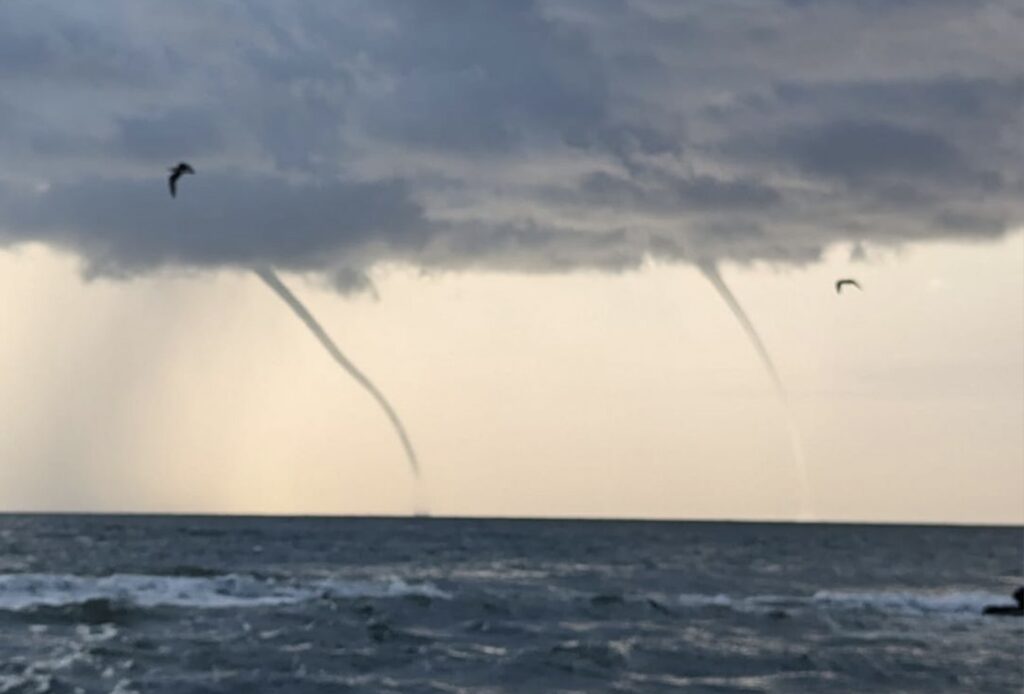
x=180, y=604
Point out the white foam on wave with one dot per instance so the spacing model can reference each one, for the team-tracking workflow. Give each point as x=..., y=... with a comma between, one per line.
x=749, y=603
x=393, y=587
x=25, y=591
x=951, y=602
x=704, y=600
x=897, y=601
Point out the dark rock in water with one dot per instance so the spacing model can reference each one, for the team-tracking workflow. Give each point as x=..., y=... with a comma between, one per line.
x=1008, y=610
x=1003, y=611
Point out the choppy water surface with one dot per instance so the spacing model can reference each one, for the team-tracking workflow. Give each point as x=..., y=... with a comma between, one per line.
x=180, y=604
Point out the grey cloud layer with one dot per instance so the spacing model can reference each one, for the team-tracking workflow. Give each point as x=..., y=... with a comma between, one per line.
x=535, y=136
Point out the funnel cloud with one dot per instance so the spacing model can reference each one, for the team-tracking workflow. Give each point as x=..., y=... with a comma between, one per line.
x=274, y=282
x=710, y=271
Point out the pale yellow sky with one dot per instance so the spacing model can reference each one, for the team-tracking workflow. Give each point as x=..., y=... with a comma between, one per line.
x=573, y=395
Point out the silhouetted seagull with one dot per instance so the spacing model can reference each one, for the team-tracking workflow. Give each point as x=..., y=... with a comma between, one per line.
x=840, y=283
x=176, y=173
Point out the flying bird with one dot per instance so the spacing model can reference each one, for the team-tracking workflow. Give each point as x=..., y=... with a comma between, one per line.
x=842, y=282
x=176, y=173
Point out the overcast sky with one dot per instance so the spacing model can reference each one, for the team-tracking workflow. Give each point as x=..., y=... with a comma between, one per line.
x=580, y=154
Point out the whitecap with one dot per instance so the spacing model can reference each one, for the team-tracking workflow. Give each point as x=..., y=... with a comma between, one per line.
x=391, y=587
x=26, y=591
x=950, y=602
x=704, y=600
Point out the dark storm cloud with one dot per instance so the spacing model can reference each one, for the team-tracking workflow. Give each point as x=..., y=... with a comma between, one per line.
x=472, y=76
x=533, y=136
x=859, y=151
x=670, y=194
x=168, y=135
x=230, y=220
x=72, y=46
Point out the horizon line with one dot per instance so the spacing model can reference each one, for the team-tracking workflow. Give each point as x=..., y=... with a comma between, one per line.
x=523, y=518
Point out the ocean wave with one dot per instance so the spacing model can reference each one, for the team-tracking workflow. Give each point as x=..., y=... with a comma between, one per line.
x=705, y=600
x=902, y=602
x=952, y=602
x=392, y=587
x=27, y=591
